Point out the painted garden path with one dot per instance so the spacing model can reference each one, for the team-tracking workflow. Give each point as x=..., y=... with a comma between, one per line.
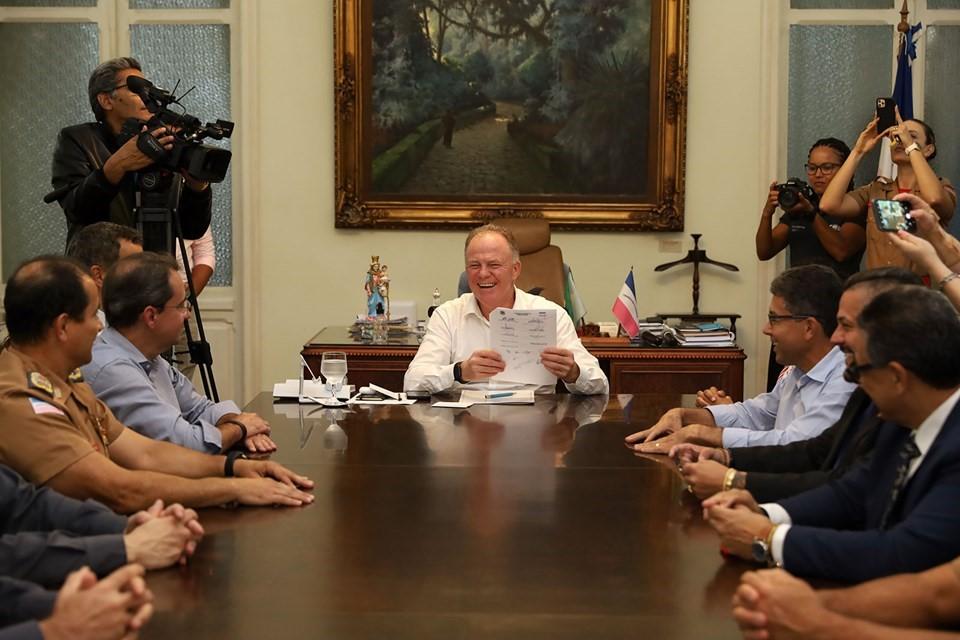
x=483, y=160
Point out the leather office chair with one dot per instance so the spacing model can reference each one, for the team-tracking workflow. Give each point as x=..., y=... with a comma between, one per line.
x=543, y=266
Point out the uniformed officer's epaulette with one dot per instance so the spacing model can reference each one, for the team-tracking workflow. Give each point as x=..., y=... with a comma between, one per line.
x=76, y=375
x=36, y=380
x=883, y=180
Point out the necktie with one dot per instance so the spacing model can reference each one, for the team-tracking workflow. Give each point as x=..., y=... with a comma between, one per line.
x=907, y=453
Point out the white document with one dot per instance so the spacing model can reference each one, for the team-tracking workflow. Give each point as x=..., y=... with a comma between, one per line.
x=445, y=404
x=519, y=335
x=402, y=399
x=493, y=396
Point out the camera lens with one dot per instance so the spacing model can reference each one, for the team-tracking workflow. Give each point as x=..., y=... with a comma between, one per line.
x=787, y=197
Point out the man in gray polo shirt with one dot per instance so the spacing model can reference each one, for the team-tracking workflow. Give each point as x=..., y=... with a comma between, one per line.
x=145, y=302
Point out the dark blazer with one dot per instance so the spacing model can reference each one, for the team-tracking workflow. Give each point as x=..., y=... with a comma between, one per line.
x=780, y=471
x=24, y=603
x=45, y=535
x=835, y=533
x=86, y=196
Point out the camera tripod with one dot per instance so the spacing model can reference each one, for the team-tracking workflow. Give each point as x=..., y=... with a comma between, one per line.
x=157, y=212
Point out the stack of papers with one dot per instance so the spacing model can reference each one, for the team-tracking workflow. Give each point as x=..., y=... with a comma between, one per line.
x=385, y=396
x=313, y=391
x=705, y=335
x=470, y=397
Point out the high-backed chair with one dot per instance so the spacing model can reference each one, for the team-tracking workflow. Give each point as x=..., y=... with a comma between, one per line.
x=542, y=263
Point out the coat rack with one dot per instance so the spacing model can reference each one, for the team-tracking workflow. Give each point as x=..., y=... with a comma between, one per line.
x=696, y=257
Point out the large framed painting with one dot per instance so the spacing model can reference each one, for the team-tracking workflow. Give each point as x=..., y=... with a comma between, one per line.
x=450, y=113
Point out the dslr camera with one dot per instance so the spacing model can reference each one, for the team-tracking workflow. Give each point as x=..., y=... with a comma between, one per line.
x=788, y=193
x=200, y=161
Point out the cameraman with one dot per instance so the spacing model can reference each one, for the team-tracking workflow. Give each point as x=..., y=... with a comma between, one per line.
x=813, y=237
x=95, y=168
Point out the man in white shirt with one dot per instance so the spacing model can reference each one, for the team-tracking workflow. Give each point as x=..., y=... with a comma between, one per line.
x=810, y=394
x=897, y=512
x=456, y=349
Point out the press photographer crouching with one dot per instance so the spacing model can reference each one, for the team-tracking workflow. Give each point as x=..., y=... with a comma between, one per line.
x=94, y=164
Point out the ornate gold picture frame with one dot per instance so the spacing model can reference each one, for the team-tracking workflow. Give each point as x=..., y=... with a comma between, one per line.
x=580, y=114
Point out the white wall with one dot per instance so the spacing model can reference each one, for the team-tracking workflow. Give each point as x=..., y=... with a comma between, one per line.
x=303, y=274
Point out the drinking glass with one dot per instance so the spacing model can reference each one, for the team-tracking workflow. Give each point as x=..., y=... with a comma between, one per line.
x=333, y=368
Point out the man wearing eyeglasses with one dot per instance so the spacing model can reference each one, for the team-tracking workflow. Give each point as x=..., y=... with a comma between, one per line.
x=145, y=302
x=779, y=471
x=93, y=166
x=897, y=512
x=810, y=394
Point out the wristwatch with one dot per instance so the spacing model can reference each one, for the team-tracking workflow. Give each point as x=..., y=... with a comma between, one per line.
x=232, y=457
x=458, y=373
x=762, y=549
x=761, y=552
x=911, y=148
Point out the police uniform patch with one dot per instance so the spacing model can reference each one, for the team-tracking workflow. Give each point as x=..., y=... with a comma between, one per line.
x=39, y=406
x=39, y=381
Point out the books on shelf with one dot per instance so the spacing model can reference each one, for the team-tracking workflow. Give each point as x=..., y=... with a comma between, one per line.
x=704, y=334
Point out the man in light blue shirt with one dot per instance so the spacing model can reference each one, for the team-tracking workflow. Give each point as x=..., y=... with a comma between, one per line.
x=810, y=394
x=145, y=302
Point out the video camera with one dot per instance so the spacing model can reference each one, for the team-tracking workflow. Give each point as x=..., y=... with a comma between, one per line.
x=788, y=193
x=200, y=161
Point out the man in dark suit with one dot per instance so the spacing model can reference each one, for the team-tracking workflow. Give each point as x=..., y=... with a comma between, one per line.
x=779, y=471
x=898, y=512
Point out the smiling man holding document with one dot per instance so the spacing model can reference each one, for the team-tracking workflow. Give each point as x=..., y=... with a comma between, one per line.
x=458, y=348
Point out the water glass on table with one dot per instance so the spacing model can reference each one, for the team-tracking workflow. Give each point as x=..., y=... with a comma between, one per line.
x=333, y=368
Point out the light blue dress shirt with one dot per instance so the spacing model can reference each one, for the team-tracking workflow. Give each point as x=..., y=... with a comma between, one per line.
x=152, y=397
x=800, y=407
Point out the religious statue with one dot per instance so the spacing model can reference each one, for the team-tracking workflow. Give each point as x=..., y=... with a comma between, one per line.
x=371, y=286
x=384, y=286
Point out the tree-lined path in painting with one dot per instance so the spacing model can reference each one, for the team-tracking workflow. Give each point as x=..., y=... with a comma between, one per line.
x=484, y=159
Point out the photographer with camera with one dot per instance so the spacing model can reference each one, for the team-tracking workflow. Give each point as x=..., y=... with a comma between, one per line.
x=813, y=238
x=94, y=165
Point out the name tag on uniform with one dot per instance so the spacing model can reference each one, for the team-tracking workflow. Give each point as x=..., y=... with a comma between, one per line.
x=39, y=406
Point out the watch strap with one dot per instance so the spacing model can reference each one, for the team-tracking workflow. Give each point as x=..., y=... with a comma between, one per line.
x=458, y=372
x=232, y=457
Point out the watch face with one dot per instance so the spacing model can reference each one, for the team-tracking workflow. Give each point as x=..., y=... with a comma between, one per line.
x=759, y=551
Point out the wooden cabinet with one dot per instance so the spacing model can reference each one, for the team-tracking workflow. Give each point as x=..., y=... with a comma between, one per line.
x=629, y=369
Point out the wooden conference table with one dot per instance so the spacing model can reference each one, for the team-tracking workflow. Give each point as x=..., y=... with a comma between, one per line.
x=494, y=522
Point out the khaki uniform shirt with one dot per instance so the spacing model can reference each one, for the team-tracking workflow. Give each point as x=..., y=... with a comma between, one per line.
x=880, y=249
x=48, y=423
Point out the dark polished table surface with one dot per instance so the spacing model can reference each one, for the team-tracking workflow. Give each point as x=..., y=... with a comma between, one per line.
x=493, y=522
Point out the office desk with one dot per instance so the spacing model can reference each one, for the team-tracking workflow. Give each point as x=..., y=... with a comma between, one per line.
x=497, y=522
x=629, y=369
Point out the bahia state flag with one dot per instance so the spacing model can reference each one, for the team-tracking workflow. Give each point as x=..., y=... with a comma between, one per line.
x=625, y=307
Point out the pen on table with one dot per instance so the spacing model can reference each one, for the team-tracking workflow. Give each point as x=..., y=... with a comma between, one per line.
x=504, y=394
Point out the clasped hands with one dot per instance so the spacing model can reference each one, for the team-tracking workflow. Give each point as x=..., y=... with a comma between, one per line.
x=160, y=536
x=668, y=431
x=486, y=363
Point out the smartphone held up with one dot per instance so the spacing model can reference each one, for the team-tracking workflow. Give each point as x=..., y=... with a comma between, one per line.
x=893, y=215
x=886, y=114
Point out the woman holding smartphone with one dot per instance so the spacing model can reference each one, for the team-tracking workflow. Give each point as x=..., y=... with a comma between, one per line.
x=813, y=238
x=913, y=145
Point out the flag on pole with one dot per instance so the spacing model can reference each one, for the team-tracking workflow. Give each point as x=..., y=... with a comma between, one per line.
x=902, y=93
x=625, y=307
